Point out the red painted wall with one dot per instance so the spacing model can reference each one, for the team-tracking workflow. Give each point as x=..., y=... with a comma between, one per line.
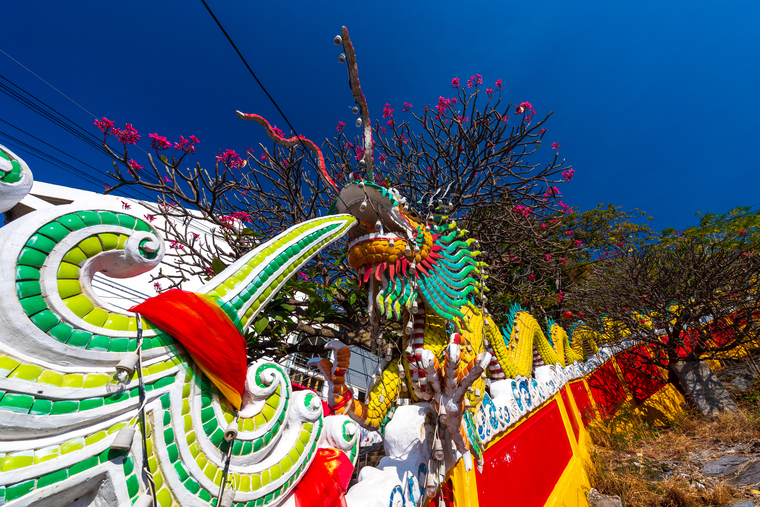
x=582, y=401
x=522, y=469
x=571, y=413
x=607, y=390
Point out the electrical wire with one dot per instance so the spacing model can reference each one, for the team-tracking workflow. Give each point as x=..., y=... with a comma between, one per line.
x=308, y=151
x=51, y=86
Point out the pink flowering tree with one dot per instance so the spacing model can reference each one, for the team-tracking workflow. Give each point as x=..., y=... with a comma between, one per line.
x=470, y=155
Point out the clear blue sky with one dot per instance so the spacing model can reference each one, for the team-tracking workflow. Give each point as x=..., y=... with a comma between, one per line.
x=656, y=103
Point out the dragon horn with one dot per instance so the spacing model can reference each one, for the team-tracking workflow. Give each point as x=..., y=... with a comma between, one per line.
x=292, y=141
x=361, y=101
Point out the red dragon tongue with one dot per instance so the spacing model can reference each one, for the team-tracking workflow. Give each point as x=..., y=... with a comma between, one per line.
x=367, y=273
x=380, y=270
x=391, y=271
x=403, y=265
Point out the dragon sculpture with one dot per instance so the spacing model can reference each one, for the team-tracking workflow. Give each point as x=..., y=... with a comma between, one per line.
x=67, y=422
x=423, y=272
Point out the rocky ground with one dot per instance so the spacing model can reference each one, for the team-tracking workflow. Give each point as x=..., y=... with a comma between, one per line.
x=696, y=462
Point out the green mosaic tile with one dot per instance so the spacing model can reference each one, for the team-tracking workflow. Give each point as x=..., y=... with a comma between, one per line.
x=181, y=471
x=210, y=426
x=237, y=447
x=18, y=403
x=119, y=345
x=158, y=384
x=99, y=342
x=168, y=436
x=31, y=257
x=108, y=218
x=173, y=452
x=52, y=478
x=79, y=338
x=207, y=414
x=75, y=380
x=53, y=231
x=19, y=490
x=40, y=242
x=28, y=288
x=61, y=332
x=192, y=486
x=167, y=418
x=45, y=320
x=32, y=305
x=142, y=226
x=91, y=403
x=217, y=437
x=89, y=217
x=133, y=487
x=116, y=397
x=71, y=221
x=127, y=221
x=84, y=465
x=41, y=407
x=64, y=407
x=27, y=273
x=204, y=495
x=165, y=400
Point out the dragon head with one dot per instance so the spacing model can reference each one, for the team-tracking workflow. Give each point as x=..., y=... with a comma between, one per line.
x=404, y=257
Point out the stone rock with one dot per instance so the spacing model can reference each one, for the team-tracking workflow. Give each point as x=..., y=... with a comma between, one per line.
x=743, y=503
x=740, y=384
x=723, y=465
x=749, y=475
x=596, y=499
x=702, y=456
x=704, y=388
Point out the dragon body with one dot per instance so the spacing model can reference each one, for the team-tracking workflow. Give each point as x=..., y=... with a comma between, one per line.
x=61, y=407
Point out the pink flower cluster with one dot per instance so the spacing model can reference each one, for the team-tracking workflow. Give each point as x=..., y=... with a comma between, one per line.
x=475, y=80
x=407, y=107
x=565, y=208
x=523, y=210
x=134, y=165
x=387, y=111
x=551, y=192
x=231, y=159
x=340, y=126
x=444, y=104
x=159, y=142
x=105, y=125
x=568, y=173
x=523, y=107
x=455, y=82
x=127, y=136
x=238, y=216
x=277, y=131
x=188, y=146
x=556, y=145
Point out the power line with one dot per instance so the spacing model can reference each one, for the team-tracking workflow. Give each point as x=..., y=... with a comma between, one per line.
x=250, y=70
x=51, y=86
x=62, y=120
